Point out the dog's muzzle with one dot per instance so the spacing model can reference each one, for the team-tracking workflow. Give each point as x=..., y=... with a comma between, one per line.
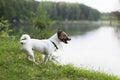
x=66, y=40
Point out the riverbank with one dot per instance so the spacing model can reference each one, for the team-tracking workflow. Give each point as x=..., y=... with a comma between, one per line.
x=100, y=22
x=14, y=66
x=116, y=23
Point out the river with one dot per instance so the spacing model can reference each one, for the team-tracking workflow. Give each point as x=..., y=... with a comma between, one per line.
x=96, y=48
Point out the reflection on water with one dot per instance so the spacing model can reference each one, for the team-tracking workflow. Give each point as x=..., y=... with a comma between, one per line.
x=117, y=31
x=98, y=49
x=74, y=29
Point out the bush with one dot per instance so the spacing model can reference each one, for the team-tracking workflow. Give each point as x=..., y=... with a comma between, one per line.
x=4, y=27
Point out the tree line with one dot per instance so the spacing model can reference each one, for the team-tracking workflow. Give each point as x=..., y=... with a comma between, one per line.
x=116, y=14
x=70, y=11
x=17, y=9
x=26, y=9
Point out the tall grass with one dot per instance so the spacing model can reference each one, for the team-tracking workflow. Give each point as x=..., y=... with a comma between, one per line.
x=14, y=66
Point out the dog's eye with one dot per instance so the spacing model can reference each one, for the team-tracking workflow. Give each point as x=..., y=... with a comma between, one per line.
x=64, y=35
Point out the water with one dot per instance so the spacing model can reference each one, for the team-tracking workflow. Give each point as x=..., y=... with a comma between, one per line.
x=97, y=48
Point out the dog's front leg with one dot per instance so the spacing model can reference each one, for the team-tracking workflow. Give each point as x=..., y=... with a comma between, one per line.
x=30, y=56
x=49, y=57
x=45, y=59
x=33, y=59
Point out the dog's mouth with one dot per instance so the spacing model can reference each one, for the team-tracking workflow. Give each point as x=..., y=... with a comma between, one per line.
x=66, y=40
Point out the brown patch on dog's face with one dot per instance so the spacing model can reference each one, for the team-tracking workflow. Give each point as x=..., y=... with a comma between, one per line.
x=63, y=36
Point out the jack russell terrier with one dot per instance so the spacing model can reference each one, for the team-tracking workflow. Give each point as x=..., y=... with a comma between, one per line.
x=46, y=46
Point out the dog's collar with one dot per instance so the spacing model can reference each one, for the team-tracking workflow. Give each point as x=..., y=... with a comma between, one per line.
x=54, y=44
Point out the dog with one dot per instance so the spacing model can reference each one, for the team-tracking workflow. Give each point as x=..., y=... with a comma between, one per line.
x=45, y=46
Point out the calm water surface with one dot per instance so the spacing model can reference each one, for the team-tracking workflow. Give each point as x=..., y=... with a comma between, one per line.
x=97, y=49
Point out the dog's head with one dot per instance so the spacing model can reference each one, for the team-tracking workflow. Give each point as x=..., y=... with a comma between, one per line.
x=63, y=36
x=24, y=38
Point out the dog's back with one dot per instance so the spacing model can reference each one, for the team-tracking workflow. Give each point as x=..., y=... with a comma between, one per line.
x=40, y=45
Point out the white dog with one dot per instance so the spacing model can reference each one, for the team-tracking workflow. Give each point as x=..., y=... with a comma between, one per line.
x=46, y=47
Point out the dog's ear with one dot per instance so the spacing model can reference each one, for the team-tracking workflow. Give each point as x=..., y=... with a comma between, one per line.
x=59, y=33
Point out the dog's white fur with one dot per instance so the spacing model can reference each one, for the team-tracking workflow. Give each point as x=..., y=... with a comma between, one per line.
x=46, y=47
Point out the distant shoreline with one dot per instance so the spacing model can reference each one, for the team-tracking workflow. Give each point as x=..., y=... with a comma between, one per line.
x=100, y=22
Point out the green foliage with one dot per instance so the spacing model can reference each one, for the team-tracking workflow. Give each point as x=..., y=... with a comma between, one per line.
x=41, y=20
x=17, y=10
x=108, y=17
x=42, y=24
x=4, y=27
x=93, y=15
x=117, y=14
x=70, y=11
x=14, y=66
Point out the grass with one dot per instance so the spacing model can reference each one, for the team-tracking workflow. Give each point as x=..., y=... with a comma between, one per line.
x=14, y=66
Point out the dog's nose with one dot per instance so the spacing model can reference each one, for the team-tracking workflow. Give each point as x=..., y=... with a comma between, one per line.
x=69, y=39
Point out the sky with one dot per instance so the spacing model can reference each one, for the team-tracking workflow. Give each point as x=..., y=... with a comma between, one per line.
x=101, y=5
